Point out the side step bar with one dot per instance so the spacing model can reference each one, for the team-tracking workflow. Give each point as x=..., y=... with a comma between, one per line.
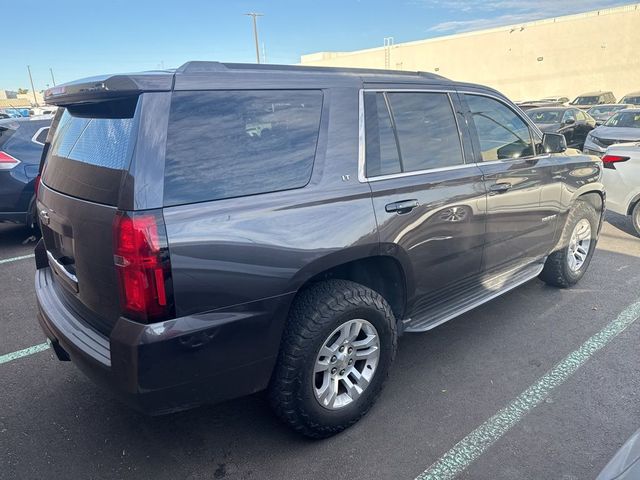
x=443, y=306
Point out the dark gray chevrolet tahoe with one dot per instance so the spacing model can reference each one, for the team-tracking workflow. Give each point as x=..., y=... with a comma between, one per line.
x=221, y=229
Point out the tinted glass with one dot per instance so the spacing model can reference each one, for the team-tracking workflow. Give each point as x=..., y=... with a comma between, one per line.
x=625, y=119
x=224, y=144
x=41, y=137
x=501, y=132
x=633, y=100
x=91, y=150
x=7, y=129
x=586, y=100
x=427, y=131
x=382, y=152
x=545, y=116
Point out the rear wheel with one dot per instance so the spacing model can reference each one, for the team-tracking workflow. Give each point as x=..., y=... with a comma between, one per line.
x=337, y=348
x=635, y=218
x=566, y=266
x=32, y=216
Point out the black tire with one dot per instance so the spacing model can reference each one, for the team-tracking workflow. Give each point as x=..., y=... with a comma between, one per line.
x=32, y=217
x=314, y=315
x=556, y=271
x=635, y=218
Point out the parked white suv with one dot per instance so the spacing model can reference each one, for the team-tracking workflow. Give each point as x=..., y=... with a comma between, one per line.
x=622, y=180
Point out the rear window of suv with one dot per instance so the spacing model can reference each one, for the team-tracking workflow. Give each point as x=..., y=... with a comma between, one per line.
x=91, y=149
x=224, y=144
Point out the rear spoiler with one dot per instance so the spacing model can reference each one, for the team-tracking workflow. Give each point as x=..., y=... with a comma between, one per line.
x=108, y=87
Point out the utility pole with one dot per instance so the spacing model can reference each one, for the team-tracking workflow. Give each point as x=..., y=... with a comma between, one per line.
x=52, y=77
x=33, y=90
x=254, y=15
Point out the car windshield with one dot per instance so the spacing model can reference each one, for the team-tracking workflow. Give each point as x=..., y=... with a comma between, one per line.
x=625, y=119
x=604, y=110
x=585, y=101
x=545, y=116
x=634, y=100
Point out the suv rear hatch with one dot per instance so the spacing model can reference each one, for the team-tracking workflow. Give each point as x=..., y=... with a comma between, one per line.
x=86, y=189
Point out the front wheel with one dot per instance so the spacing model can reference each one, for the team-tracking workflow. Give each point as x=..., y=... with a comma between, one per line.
x=635, y=218
x=338, y=345
x=567, y=265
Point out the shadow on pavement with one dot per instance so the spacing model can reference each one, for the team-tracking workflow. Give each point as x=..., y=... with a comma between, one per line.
x=621, y=222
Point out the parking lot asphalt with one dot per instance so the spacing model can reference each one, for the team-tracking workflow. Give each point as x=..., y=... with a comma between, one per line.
x=445, y=383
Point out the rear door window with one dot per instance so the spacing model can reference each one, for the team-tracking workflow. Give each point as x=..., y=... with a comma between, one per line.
x=224, y=144
x=410, y=132
x=91, y=149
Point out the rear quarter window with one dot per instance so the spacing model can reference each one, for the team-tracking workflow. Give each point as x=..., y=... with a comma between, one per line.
x=224, y=144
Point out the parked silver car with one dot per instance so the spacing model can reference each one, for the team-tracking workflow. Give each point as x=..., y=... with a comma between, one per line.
x=621, y=177
x=632, y=98
x=622, y=127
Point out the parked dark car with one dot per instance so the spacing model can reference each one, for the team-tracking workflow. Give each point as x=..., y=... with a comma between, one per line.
x=571, y=122
x=21, y=143
x=631, y=98
x=602, y=113
x=543, y=102
x=588, y=100
x=622, y=127
x=223, y=229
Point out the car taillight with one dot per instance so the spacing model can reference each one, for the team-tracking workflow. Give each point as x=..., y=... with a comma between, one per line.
x=614, y=159
x=141, y=256
x=7, y=162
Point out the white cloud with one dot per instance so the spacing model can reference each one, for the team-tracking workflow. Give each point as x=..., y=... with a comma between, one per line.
x=493, y=13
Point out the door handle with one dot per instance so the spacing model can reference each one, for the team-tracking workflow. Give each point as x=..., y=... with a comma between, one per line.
x=404, y=206
x=497, y=188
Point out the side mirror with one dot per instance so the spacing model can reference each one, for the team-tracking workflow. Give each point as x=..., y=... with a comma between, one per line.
x=570, y=121
x=554, y=143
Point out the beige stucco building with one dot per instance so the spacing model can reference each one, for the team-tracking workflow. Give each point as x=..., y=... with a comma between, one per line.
x=567, y=55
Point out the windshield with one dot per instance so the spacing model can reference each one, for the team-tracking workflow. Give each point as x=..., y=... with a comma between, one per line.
x=604, y=110
x=545, y=116
x=634, y=100
x=585, y=101
x=625, y=119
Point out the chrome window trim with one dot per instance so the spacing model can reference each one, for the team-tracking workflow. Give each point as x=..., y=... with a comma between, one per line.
x=362, y=177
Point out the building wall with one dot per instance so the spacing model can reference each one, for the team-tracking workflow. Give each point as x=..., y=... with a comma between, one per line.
x=7, y=94
x=559, y=56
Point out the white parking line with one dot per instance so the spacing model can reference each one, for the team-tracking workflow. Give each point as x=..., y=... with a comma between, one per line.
x=13, y=259
x=477, y=442
x=23, y=353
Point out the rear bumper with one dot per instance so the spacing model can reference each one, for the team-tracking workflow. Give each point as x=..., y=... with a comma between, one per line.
x=173, y=365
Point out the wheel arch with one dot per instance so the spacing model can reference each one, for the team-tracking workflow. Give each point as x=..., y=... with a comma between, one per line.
x=632, y=204
x=382, y=273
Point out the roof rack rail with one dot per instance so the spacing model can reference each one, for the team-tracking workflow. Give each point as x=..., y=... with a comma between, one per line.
x=212, y=67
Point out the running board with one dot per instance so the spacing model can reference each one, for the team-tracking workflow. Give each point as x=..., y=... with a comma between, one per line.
x=442, y=307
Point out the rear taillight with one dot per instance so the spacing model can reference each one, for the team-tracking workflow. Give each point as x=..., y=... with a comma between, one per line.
x=609, y=160
x=614, y=159
x=141, y=256
x=7, y=162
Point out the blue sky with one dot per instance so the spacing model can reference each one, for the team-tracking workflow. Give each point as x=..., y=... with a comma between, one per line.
x=79, y=38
